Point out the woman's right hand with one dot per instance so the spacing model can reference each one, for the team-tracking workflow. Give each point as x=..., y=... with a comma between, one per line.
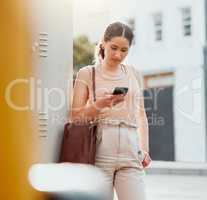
x=109, y=100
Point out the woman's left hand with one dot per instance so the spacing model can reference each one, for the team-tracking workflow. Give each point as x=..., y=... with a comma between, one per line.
x=147, y=160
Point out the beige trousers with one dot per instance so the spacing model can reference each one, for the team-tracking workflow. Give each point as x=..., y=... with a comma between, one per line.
x=117, y=155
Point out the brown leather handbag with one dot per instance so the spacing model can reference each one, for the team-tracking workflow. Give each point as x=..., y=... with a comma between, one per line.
x=79, y=139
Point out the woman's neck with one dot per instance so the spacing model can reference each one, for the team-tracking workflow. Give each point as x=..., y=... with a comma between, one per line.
x=112, y=68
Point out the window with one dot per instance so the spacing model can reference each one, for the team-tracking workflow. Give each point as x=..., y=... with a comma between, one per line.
x=157, y=21
x=131, y=24
x=186, y=21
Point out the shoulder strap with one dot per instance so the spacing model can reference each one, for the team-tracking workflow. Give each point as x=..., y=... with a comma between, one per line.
x=94, y=83
x=137, y=76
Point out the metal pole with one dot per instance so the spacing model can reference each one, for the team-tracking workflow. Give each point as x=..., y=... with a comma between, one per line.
x=205, y=74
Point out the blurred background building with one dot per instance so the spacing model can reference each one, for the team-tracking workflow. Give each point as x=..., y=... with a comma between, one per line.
x=168, y=49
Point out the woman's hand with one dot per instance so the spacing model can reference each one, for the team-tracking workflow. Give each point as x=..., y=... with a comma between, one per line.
x=147, y=160
x=109, y=100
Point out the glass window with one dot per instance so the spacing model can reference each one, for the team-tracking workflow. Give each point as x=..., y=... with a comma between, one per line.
x=157, y=21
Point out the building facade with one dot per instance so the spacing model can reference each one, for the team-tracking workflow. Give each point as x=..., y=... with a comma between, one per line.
x=170, y=36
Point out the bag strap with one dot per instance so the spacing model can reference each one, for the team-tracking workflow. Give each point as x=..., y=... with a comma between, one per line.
x=138, y=77
x=94, y=83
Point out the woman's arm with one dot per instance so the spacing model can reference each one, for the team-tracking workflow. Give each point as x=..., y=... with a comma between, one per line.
x=144, y=134
x=142, y=117
x=79, y=110
x=143, y=126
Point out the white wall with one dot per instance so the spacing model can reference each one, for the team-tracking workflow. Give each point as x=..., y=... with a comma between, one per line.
x=174, y=48
x=92, y=17
x=52, y=72
x=189, y=115
x=184, y=56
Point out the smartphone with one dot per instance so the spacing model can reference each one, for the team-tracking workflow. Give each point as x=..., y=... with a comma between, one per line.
x=120, y=90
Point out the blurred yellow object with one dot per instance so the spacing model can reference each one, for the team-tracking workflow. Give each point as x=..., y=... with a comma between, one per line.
x=18, y=142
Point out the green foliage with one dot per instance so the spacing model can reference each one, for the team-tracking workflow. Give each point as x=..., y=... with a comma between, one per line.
x=83, y=52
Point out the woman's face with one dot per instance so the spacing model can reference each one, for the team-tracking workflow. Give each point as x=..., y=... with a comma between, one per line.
x=116, y=50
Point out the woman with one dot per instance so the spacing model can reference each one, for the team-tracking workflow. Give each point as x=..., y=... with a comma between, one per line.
x=123, y=146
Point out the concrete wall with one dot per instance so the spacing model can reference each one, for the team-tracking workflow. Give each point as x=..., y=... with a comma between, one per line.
x=189, y=115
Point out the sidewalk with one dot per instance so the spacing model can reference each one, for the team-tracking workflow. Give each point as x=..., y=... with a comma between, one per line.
x=176, y=187
x=177, y=168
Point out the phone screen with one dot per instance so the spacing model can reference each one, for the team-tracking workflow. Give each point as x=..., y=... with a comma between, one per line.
x=120, y=90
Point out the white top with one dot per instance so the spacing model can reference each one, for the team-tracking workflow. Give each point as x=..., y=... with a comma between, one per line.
x=124, y=112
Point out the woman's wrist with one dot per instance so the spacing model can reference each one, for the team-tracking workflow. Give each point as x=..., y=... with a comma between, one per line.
x=146, y=151
x=95, y=110
x=97, y=106
x=88, y=113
